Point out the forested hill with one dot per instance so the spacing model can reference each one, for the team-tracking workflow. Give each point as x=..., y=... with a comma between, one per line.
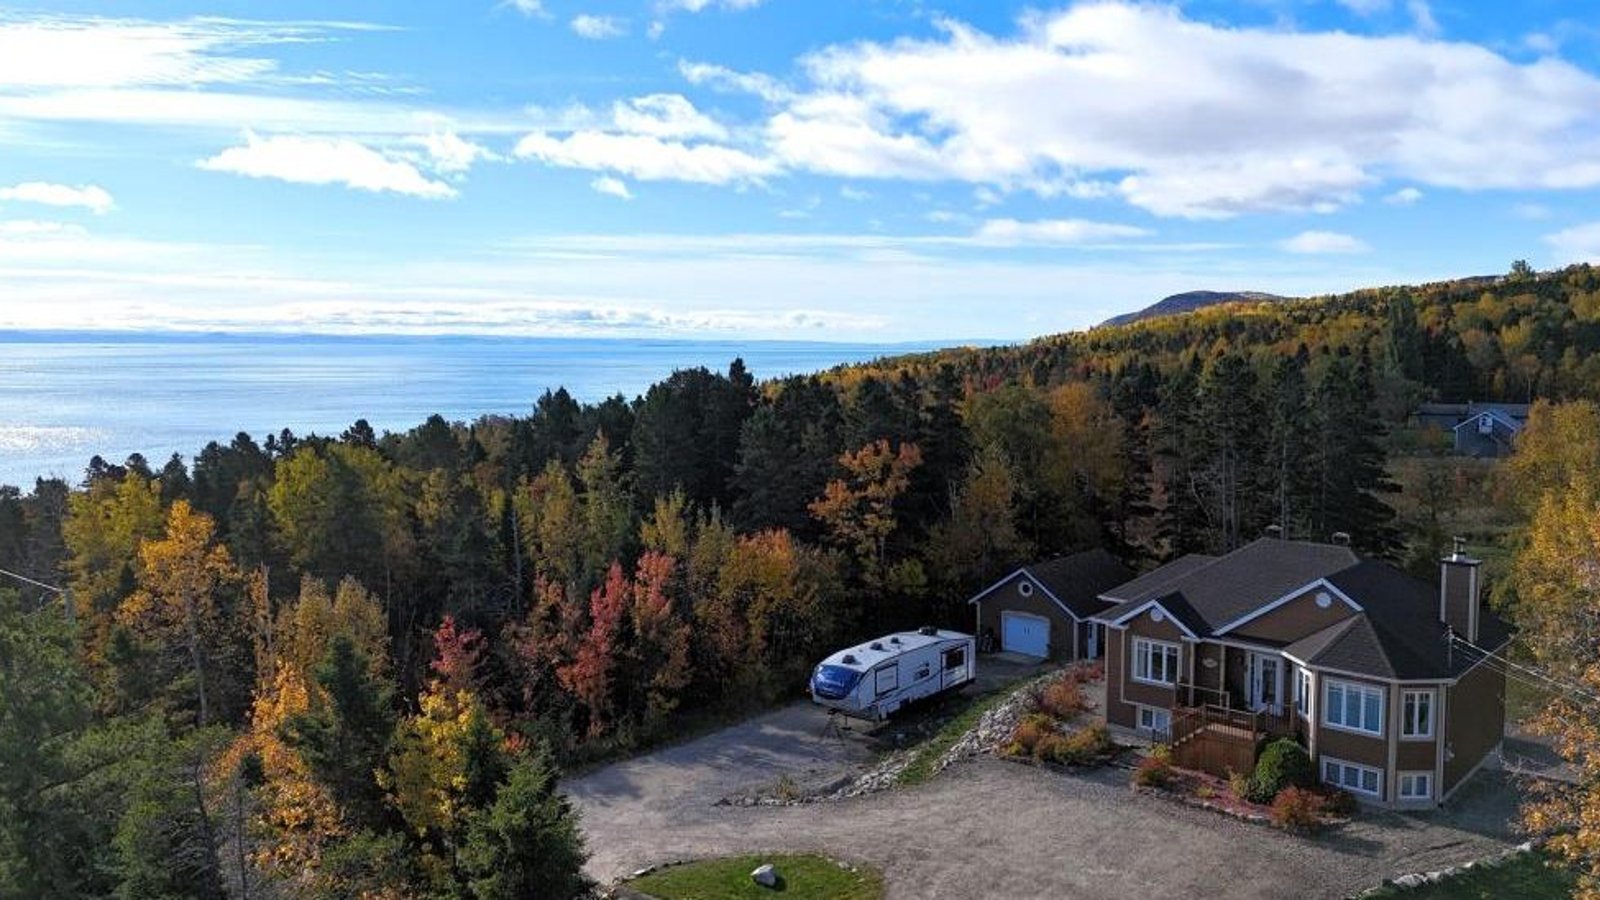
x=1189, y=301
x=345, y=665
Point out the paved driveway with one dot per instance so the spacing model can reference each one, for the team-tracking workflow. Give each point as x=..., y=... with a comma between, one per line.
x=992, y=828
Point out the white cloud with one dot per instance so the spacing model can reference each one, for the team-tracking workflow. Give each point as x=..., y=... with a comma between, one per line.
x=92, y=197
x=1366, y=7
x=450, y=154
x=1422, y=16
x=645, y=158
x=598, y=28
x=308, y=160
x=1580, y=243
x=695, y=6
x=1406, y=196
x=854, y=193
x=665, y=116
x=1530, y=211
x=1319, y=242
x=722, y=78
x=34, y=228
x=1183, y=117
x=1054, y=231
x=615, y=187
x=530, y=8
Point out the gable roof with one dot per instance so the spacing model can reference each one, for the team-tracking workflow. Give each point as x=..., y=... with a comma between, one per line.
x=1074, y=581
x=1178, y=609
x=1223, y=589
x=1494, y=415
x=1404, y=616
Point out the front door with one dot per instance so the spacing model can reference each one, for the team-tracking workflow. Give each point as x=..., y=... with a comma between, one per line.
x=1092, y=651
x=1265, y=682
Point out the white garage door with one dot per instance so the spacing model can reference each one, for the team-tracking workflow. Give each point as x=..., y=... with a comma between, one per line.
x=1024, y=634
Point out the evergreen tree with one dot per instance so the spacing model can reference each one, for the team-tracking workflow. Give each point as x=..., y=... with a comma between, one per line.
x=1352, y=466
x=1230, y=448
x=1292, y=447
x=527, y=844
x=166, y=841
x=344, y=739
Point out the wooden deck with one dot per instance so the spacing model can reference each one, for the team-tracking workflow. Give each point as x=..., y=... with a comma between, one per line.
x=1221, y=740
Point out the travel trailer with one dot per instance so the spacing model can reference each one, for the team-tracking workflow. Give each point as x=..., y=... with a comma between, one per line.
x=876, y=679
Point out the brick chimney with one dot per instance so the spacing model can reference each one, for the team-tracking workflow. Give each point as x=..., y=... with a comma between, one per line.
x=1459, y=589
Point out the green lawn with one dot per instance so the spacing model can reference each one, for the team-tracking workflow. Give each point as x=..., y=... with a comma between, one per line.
x=1527, y=877
x=802, y=877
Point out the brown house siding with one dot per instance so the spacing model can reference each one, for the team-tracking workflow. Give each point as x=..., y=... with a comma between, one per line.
x=1296, y=619
x=1117, y=712
x=1355, y=747
x=1138, y=692
x=1006, y=597
x=1475, y=721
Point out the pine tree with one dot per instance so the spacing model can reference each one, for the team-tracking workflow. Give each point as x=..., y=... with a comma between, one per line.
x=1352, y=466
x=1292, y=447
x=1230, y=449
x=344, y=739
x=527, y=844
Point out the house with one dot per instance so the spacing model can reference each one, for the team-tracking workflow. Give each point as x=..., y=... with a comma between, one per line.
x=1046, y=609
x=1478, y=429
x=1386, y=680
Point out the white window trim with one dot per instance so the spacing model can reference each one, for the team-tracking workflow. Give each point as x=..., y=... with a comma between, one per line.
x=1304, y=681
x=1433, y=699
x=1359, y=767
x=1400, y=785
x=1383, y=705
x=1157, y=645
x=1154, y=711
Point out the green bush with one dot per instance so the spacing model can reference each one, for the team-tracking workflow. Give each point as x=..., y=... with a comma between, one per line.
x=1282, y=764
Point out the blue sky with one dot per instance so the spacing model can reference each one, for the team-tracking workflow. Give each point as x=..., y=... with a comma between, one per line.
x=802, y=169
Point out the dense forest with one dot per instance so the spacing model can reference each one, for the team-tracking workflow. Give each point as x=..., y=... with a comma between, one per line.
x=352, y=665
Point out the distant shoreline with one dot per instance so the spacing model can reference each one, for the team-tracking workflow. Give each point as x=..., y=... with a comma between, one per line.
x=90, y=335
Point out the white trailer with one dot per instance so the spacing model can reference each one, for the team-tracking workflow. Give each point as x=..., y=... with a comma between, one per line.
x=876, y=679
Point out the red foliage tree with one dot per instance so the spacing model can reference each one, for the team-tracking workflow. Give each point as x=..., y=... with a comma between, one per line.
x=457, y=653
x=589, y=675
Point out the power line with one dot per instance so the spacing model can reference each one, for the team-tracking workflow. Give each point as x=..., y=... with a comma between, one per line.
x=1507, y=666
x=64, y=593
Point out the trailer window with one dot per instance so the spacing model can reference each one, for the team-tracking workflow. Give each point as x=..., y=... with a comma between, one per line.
x=955, y=658
x=834, y=682
x=888, y=678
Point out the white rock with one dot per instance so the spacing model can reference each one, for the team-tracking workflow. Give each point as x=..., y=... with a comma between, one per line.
x=765, y=875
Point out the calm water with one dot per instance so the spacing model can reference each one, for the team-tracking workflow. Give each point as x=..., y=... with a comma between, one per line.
x=64, y=398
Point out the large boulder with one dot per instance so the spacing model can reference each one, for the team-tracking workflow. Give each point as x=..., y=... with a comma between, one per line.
x=765, y=875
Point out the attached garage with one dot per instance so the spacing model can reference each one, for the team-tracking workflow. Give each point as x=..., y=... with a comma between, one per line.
x=1043, y=609
x=1024, y=633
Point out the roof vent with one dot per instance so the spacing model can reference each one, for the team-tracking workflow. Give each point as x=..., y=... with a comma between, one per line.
x=1341, y=538
x=849, y=660
x=877, y=645
x=1460, y=547
x=927, y=631
x=1274, y=531
x=895, y=639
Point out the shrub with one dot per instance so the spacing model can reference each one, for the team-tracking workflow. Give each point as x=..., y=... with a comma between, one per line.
x=1033, y=729
x=1282, y=764
x=1338, y=802
x=1297, y=809
x=1063, y=698
x=1155, y=770
x=1239, y=785
x=1080, y=748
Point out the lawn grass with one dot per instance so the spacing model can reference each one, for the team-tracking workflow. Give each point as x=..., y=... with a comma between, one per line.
x=1529, y=876
x=920, y=768
x=801, y=877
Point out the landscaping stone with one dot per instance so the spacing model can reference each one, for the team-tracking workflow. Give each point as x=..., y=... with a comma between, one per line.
x=765, y=875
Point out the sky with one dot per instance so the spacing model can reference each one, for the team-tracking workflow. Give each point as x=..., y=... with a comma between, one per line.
x=879, y=170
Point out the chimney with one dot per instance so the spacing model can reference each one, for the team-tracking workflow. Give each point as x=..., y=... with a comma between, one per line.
x=1275, y=531
x=1341, y=538
x=1459, y=590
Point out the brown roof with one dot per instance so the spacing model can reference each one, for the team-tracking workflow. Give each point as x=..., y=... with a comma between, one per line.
x=1078, y=579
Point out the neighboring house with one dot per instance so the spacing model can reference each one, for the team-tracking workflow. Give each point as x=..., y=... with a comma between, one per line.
x=1478, y=429
x=1379, y=675
x=1044, y=609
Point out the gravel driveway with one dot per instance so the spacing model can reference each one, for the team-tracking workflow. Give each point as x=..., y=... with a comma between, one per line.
x=993, y=828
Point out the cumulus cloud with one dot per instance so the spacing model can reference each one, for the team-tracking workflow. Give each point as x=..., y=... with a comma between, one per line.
x=695, y=6
x=598, y=28
x=1580, y=243
x=1319, y=242
x=1183, y=117
x=92, y=197
x=615, y=187
x=1406, y=196
x=665, y=116
x=449, y=153
x=310, y=160
x=530, y=8
x=1054, y=231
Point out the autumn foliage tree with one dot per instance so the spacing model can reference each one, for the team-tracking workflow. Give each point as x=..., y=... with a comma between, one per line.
x=859, y=511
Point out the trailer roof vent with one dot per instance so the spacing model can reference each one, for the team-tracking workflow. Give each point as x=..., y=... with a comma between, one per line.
x=877, y=645
x=895, y=639
x=849, y=660
x=927, y=631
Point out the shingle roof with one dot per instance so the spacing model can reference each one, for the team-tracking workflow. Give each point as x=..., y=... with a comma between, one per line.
x=1397, y=635
x=1078, y=579
x=1225, y=588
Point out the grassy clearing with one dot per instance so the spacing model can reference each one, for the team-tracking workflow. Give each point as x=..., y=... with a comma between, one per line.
x=802, y=877
x=1527, y=877
x=921, y=766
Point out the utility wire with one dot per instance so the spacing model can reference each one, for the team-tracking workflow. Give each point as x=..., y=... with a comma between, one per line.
x=64, y=593
x=1528, y=675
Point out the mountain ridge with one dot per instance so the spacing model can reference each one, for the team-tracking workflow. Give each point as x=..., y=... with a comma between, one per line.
x=1189, y=301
